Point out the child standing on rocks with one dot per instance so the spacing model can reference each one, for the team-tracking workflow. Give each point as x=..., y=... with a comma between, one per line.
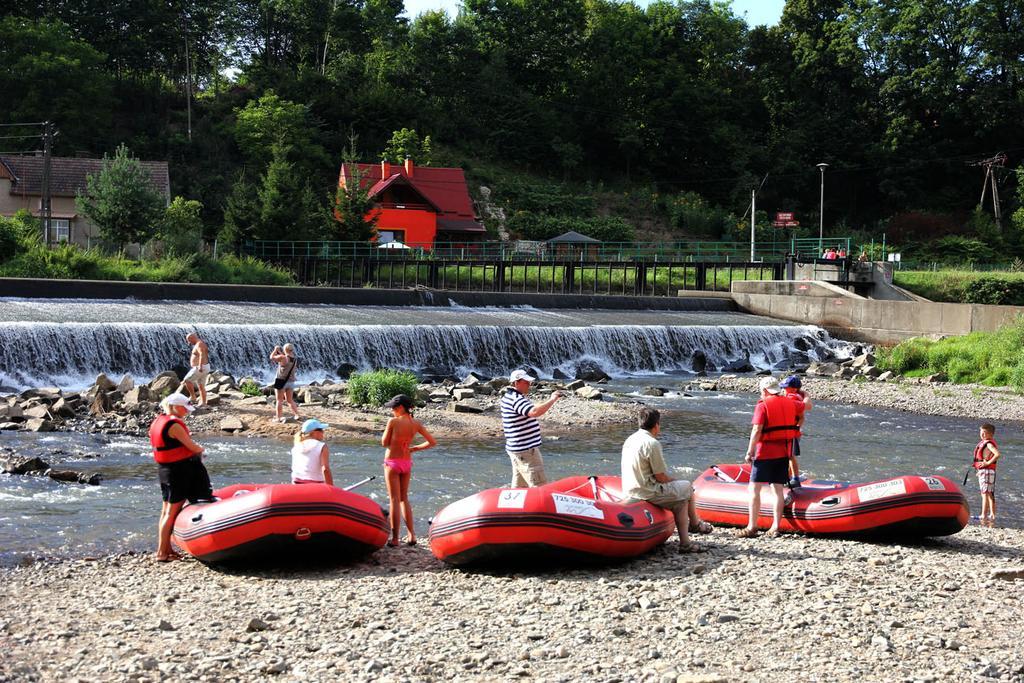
x=986, y=453
x=397, y=439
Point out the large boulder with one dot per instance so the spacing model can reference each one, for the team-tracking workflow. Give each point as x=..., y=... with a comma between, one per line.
x=739, y=365
x=38, y=424
x=232, y=424
x=653, y=391
x=65, y=407
x=19, y=465
x=104, y=383
x=40, y=412
x=590, y=393
x=559, y=375
x=345, y=370
x=699, y=362
x=467, y=406
x=139, y=394
x=589, y=371
x=462, y=393
x=100, y=405
x=73, y=477
x=11, y=411
x=44, y=394
x=126, y=384
x=863, y=360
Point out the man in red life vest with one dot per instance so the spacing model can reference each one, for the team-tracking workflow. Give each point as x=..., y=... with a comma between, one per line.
x=985, y=455
x=182, y=474
x=771, y=441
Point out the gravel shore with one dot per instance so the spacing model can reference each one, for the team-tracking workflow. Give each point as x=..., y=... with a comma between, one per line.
x=751, y=610
x=951, y=400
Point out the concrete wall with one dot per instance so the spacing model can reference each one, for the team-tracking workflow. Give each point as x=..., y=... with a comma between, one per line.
x=92, y=289
x=879, y=322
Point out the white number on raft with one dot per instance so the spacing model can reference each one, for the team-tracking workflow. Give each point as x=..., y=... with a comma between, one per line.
x=512, y=498
x=884, y=489
x=581, y=507
x=933, y=483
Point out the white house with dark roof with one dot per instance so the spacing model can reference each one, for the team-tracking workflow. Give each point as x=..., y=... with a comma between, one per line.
x=21, y=187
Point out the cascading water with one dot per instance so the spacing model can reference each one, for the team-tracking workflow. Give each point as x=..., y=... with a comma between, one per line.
x=71, y=354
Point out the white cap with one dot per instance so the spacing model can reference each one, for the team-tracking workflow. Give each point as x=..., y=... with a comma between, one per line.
x=520, y=374
x=178, y=400
x=771, y=385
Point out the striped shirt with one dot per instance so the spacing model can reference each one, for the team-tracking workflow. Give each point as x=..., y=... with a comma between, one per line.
x=522, y=432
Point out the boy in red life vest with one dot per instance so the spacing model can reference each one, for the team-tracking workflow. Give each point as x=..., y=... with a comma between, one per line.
x=774, y=426
x=794, y=391
x=182, y=474
x=986, y=453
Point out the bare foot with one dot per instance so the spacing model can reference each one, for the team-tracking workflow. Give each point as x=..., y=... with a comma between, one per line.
x=410, y=540
x=771, y=533
x=393, y=542
x=169, y=557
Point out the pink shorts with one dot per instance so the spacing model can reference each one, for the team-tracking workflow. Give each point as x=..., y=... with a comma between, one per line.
x=399, y=465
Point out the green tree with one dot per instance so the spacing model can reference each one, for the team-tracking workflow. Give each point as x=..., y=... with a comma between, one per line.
x=288, y=208
x=406, y=143
x=354, y=215
x=47, y=74
x=241, y=213
x=181, y=228
x=121, y=200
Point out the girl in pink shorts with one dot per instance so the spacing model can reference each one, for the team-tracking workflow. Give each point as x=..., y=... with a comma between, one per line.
x=397, y=439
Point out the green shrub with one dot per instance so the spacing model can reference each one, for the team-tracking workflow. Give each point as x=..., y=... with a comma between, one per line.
x=902, y=358
x=378, y=387
x=250, y=388
x=962, y=286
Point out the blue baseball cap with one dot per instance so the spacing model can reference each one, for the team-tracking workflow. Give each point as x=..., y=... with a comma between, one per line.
x=311, y=425
x=791, y=382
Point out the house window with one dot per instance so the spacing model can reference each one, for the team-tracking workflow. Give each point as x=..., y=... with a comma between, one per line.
x=60, y=230
x=385, y=236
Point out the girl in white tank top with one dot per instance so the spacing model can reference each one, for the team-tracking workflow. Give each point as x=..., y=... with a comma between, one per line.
x=310, y=455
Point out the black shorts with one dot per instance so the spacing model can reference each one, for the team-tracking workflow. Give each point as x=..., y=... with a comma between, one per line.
x=185, y=480
x=773, y=471
x=796, y=447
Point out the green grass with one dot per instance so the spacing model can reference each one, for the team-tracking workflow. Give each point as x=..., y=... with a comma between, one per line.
x=964, y=286
x=380, y=386
x=989, y=358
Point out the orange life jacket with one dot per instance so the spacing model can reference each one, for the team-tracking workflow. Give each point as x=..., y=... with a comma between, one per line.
x=165, y=448
x=780, y=419
x=981, y=454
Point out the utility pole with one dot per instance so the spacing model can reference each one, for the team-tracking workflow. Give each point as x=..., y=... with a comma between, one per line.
x=821, y=211
x=999, y=160
x=188, y=88
x=753, y=213
x=46, y=210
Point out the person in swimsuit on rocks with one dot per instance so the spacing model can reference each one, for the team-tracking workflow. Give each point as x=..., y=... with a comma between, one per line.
x=284, y=380
x=199, y=368
x=397, y=439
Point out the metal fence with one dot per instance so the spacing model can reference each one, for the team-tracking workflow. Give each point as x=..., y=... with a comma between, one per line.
x=672, y=251
x=661, y=278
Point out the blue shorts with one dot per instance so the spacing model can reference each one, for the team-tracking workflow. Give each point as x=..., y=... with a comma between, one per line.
x=773, y=471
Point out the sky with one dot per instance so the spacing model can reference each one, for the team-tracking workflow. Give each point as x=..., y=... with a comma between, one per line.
x=757, y=12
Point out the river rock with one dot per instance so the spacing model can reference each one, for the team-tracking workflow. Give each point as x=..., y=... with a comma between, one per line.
x=163, y=384
x=871, y=371
x=254, y=401
x=467, y=406
x=439, y=396
x=461, y=394
x=73, y=477
x=1008, y=574
x=653, y=391
x=12, y=411
x=885, y=376
x=38, y=424
x=473, y=379
x=41, y=412
x=699, y=362
x=126, y=384
x=232, y=424
x=10, y=426
x=18, y=465
x=589, y=371
x=936, y=378
x=47, y=394
x=863, y=360
x=559, y=375
x=575, y=384
x=822, y=369
x=100, y=405
x=104, y=383
x=590, y=393
x=740, y=365
x=212, y=400
x=345, y=370
x=64, y=407
x=137, y=395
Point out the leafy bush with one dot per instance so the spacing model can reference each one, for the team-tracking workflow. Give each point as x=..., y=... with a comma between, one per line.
x=378, y=387
x=250, y=388
x=535, y=226
x=691, y=214
x=991, y=358
x=966, y=287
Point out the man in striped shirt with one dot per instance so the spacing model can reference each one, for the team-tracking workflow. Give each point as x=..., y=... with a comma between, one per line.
x=522, y=431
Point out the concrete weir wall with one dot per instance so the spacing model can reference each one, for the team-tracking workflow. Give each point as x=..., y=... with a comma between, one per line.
x=853, y=317
x=156, y=291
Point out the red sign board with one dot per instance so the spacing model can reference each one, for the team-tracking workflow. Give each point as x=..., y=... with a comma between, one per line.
x=783, y=216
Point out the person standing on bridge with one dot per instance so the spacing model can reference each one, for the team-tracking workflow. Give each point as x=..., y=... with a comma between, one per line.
x=522, y=431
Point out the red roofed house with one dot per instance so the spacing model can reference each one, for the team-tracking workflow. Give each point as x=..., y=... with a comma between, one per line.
x=418, y=205
x=21, y=187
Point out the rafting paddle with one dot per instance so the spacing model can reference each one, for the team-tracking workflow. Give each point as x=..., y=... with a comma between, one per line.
x=359, y=483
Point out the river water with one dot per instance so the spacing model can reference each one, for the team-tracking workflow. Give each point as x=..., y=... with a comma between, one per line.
x=39, y=517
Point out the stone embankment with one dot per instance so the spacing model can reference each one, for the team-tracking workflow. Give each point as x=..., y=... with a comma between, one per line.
x=793, y=608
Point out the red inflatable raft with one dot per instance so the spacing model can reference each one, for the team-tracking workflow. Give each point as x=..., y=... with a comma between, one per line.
x=263, y=523
x=579, y=519
x=906, y=507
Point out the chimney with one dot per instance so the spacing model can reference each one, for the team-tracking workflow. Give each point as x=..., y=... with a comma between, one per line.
x=408, y=167
x=385, y=169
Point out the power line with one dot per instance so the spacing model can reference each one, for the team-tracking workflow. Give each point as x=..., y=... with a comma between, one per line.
x=10, y=125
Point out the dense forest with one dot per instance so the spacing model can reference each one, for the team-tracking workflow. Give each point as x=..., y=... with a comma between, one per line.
x=680, y=102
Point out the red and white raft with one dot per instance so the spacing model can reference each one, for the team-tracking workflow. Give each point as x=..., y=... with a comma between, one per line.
x=903, y=507
x=578, y=519
x=268, y=523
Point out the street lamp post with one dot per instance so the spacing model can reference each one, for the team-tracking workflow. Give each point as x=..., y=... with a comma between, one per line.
x=821, y=209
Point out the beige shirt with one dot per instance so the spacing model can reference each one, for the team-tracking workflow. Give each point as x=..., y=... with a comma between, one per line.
x=641, y=460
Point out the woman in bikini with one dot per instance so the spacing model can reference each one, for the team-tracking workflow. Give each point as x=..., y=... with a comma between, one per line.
x=397, y=439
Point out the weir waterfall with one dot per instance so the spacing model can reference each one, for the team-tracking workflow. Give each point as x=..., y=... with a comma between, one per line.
x=68, y=344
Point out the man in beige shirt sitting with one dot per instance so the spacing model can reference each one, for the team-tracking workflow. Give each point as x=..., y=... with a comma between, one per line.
x=644, y=478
